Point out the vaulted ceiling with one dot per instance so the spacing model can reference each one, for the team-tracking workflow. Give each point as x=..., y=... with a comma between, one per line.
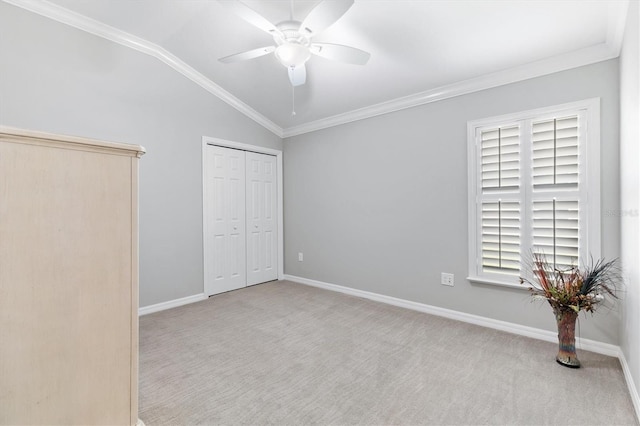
x=421, y=50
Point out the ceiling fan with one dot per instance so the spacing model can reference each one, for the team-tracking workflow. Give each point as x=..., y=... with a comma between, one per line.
x=293, y=39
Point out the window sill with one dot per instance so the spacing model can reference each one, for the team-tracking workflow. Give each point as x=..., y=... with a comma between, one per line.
x=498, y=283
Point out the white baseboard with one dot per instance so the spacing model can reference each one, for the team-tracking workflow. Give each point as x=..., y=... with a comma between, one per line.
x=633, y=390
x=522, y=330
x=171, y=304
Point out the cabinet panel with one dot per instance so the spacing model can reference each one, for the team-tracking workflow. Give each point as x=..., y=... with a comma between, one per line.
x=68, y=285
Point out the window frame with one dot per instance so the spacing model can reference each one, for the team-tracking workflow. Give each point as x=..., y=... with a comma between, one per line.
x=588, y=186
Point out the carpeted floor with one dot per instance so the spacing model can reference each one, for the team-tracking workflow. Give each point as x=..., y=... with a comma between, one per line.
x=287, y=354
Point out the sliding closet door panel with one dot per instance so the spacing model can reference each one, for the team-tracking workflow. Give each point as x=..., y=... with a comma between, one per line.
x=262, y=242
x=226, y=231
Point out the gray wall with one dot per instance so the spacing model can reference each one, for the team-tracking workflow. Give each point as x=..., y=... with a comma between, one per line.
x=630, y=189
x=381, y=204
x=378, y=205
x=58, y=79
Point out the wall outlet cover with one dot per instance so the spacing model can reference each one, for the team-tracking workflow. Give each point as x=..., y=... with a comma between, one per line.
x=446, y=279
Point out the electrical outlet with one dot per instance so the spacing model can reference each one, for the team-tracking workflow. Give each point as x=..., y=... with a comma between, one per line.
x=300, y=257
x=446, y=279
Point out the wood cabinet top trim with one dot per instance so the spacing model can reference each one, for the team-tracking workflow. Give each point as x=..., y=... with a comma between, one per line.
x=11, y=134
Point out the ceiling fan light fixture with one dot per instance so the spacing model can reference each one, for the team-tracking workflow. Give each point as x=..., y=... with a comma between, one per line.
x=292, y=54
x=293, y=45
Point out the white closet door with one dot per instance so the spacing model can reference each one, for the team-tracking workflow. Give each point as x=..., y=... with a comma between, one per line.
x=226, y=233
x=262, y=241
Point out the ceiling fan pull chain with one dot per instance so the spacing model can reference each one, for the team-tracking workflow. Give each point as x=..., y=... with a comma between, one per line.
x=293, y=100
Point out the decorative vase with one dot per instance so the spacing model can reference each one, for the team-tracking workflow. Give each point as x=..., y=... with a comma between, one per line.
x=566, y=319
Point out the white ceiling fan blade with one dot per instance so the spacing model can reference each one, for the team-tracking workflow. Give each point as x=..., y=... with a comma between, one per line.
x=250, y=54
x=341, y=53
x=250, y=15
x=297, y=75
x=324, y=15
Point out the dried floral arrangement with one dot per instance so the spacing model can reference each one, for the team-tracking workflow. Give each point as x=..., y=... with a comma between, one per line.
x=570, y=291
x=574, y=288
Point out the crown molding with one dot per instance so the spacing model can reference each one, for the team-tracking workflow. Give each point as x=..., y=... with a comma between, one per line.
x=616, y=20
x=616, y=23
x=586, y=56
x=84, y=23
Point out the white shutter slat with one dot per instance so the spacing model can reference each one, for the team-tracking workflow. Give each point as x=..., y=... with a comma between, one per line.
x=567, y=142
x=565, y=156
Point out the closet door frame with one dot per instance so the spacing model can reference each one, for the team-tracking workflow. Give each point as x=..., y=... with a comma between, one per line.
x=206, y=140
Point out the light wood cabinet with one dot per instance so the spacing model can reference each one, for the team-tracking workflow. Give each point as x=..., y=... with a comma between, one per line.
x=68, y=280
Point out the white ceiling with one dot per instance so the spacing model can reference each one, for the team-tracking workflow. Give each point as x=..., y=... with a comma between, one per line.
x=419, y=49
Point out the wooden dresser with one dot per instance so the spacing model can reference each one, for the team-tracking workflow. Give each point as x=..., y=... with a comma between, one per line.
x=68, y=280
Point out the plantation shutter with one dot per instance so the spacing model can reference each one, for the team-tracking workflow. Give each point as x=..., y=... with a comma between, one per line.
x=555, y=161
x=528, y=190
x=555, y=152
x=500, y=213
x=500, y=153
x=501, y=237
x=556, y=232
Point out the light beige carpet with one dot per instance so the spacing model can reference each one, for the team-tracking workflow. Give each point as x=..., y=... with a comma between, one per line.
x=286, y=354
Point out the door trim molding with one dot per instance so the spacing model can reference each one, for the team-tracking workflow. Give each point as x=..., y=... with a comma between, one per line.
x=206, y=140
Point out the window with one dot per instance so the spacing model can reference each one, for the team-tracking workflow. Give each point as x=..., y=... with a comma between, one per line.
x=534, y=186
